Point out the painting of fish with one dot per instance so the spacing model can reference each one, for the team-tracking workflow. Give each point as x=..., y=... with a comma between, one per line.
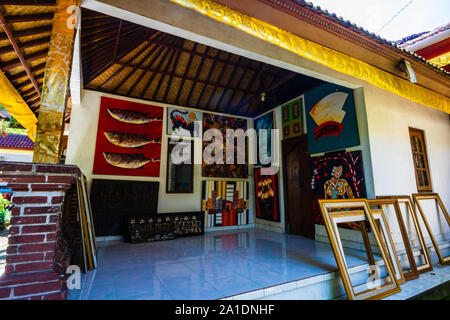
x=127, y=140
x=132, y=117
x=127, y=161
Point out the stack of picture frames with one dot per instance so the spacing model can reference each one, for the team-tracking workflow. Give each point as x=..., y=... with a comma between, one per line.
x=375, y=214
x=353, y=211
x=87, y=225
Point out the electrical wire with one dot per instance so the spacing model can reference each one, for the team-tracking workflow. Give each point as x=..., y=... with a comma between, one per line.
x=395, y=16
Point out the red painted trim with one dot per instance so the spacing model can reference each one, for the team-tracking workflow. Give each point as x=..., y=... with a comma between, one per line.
x=435, y=49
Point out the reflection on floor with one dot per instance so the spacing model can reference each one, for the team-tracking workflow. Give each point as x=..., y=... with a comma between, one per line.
x=214, y=266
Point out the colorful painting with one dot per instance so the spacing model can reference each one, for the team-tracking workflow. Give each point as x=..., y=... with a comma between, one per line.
x=128, y=139
x=265, y=122
x=337, y=175
x=222, y=123
x=292, y=119
x=266, y=196
x=225, y=203
x=330, y=119
x=180, y=122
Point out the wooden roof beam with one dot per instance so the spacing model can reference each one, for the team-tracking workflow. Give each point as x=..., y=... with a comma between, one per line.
x=29, y=17
x=19, y=54
x=26, y=44
x=28, y=32
x=31, y=57
x=41, y=3
x=22, y=74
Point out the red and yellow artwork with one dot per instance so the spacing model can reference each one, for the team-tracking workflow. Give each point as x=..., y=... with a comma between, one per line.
x=128, y=139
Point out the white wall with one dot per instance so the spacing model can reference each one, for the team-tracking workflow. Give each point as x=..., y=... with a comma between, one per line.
x=81, y=150
x=389, y=117
x=16, y=155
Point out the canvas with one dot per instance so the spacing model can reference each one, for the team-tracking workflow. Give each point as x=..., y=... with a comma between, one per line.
x=337, y=175
x=180, y=122
x=128, y=139
x=265, y=122
x=222, y=123
x=330, y=119
x=292, y=119
x=266, y=196
x=225, y=203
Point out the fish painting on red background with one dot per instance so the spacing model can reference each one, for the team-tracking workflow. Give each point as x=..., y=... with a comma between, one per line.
x=128, y=139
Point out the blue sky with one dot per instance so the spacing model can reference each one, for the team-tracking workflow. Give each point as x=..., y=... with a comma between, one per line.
x=420, y=15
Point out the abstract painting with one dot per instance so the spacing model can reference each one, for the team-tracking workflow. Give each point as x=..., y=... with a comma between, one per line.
x=337, y=175
x=225, y=203
x=214, y=170
x=128, y=139
x=292, y=119
x=180, y=122
x=266, y=196
x=330, y=119
x=265, y=122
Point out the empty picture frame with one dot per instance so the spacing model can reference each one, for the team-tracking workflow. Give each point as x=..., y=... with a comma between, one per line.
x=410, y=209
x=433, y=196
x=356, y=210
x=380, y=216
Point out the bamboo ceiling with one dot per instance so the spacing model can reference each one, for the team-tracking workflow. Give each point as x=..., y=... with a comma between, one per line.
x=25, y=29
x=131, y=60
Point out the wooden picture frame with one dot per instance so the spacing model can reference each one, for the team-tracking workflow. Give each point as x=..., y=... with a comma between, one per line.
x=427, y=266
x=380, y=215
x=182, y=169
x=349, y=210
x=432, y=196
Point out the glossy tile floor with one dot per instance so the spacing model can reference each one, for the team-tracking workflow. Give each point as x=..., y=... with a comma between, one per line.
x=214, y=266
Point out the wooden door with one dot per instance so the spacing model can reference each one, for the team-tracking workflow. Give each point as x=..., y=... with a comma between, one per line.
x=297, y=185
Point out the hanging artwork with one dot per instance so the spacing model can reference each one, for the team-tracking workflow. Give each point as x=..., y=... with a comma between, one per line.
x=266, y=196
x=216, y=170
x=225, y=203
x=292, y=119
x=180, y=176
x=180, y=122
x=128, y=139
x=265, y=122
x=337, y=175
x=330, y=119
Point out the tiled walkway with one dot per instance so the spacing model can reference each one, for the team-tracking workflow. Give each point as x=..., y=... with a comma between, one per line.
x=213, y=266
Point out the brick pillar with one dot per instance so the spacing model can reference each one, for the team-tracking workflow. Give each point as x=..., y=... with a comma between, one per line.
x=37, y=254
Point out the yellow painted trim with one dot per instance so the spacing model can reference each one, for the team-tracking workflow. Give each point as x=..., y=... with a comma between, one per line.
x=16, y=106
x=325, y=56
x=442, y=60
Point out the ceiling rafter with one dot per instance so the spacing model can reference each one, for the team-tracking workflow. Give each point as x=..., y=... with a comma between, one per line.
x=18, y=52
x=216, y=85
x=188, y=66
x=208, y=77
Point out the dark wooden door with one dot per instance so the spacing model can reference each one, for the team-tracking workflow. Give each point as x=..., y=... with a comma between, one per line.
x=297, y=185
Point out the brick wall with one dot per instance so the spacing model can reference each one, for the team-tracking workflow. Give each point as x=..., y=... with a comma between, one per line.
x=37, y=254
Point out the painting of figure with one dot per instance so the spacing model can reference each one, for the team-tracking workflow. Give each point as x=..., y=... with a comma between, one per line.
x=330, y=119
x=337, y=175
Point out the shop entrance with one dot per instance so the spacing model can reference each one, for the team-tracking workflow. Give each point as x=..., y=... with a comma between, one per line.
x=297, y=180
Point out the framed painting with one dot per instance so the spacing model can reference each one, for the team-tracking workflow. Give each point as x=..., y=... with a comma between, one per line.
x=330, y=119
x=180, y=167
x=128, y=139
x=216, y=170
x=225, y=203
x=338, y=175
x=181, y=122
x=266, y=196
x=292, y=118
x=266, y=122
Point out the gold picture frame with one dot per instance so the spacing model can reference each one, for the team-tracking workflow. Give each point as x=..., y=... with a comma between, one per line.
x=380, y=215
x=432, y=196
x=349, y=210
x=410, y=208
